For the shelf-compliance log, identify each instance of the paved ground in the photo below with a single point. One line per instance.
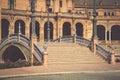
(72, 76)
(59, 69)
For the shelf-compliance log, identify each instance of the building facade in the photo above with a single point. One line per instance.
(66, 17)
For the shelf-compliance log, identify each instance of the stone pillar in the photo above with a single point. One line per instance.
(73, 31)
(12, 27)
(95, 37)
(106, 35)
(59, 27)
(0, 26)
(27, 30)
(45, 59)
(31, 50)
(54, 31)
(109, 36)
(95, 41)
(27, 27)
(106, 41)
(42, 31)
(113, 57)
(74, 38)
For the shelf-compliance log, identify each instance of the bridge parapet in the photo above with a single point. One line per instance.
(25, 42)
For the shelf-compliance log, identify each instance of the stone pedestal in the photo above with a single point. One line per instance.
(74, 38)
(113, 58)
(45, 59)
(95, 41)
(33, 39)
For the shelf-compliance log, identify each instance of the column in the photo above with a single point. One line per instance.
(106, 41)
(42, 31)
(54, 30)
(27, 30)
(0, 26)
(105, 35)
(12, 27)
(85, 29)
(110, 36)
(95, 37)
(59, 27)
(73, 31)
(33, 34)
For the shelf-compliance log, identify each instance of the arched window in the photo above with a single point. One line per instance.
(115, 32)
(22, 24)
(79, 29)
(101, 32)
(66, 29)
(46, 31)
(5, 27)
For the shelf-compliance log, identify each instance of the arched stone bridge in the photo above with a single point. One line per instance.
(17, 47)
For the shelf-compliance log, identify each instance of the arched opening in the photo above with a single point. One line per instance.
(37, 29)
(5, 27)
(22, 24)
(115, 32)
(46, 31)
(66, 29)
(79, 29)
(12, 54)
(101, 32)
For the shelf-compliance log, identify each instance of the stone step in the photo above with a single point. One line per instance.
(78, 62)
(70, 53)
(70, 59)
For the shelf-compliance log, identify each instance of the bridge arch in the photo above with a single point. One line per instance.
(13, 54)
(21, 50)
(22, 44)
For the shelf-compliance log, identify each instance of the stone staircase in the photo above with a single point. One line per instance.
(70, 53)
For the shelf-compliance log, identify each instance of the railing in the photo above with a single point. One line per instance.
(67, 39)
(104, 53)
(83, 41)
(71, 39)
(24, 40)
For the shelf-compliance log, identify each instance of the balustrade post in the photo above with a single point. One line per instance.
(95, 41)
(45, 55)
(113, 57)
(60, 39)
(45, 59)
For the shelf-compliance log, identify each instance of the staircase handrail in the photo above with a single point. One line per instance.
(67, 39)
(83, 41)
(79, 40)
(103, 52)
